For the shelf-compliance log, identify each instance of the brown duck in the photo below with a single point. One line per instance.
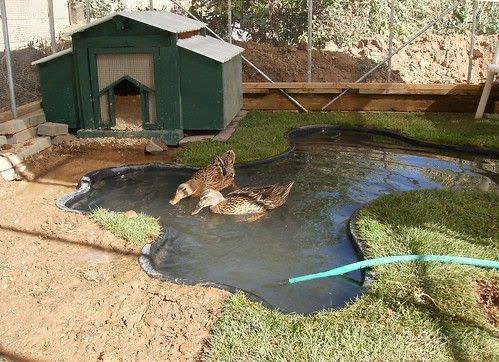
(249, 200)
(216, 176)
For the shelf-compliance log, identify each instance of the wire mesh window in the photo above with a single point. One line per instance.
(112, 67)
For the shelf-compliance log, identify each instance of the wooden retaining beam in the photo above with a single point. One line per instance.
(21, 111)
(398, 97)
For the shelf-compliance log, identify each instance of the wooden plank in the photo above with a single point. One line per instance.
(256, 91)
(314, 91)
(371, 88)
(436, 89)
(21, 111)
(367, 102)
(293, 85)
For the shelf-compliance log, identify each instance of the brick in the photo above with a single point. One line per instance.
(52, 129)
(22, 136)
(3, 140)
(39, 144)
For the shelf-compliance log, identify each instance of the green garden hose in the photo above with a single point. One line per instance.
(397, 259)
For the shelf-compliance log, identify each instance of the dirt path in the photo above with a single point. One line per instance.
(71, 291)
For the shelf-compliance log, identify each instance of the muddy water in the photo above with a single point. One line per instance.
(334, 172)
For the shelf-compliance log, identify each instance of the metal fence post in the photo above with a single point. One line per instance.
(53, 43)
(390, 40)
(151, 4)
(472, 41)
(309, 41)
(87, 10)
(8, 61)
(229, 21)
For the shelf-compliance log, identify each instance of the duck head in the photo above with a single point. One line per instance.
(208, 198)
(183, 190)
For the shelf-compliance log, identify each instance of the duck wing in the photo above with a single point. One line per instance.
(270, 197)
(216, 175)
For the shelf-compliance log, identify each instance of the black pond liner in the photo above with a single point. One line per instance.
(76, 202)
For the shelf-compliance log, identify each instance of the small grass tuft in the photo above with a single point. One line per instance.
(136, 230)
(412, 312)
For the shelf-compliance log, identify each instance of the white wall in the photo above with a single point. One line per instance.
(28, 20)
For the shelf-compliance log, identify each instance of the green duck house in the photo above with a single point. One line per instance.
(142, 74)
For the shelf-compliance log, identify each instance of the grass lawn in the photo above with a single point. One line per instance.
(264, 134)
(416, 312)
(136, 229)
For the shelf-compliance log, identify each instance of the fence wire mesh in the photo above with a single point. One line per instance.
(348, 37)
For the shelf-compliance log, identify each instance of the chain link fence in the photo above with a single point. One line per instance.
(289, 40)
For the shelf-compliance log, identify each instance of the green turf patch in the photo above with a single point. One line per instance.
(264, 134)
(136, 229)
(412, 312)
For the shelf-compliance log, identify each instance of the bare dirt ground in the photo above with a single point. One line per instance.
(430, 59)
(72, 291)
(488, 297)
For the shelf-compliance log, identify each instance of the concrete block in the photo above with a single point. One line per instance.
(63, 138)
(13, 126)
(11, 167)
(36, 118)
(22, 136)
(155, 147)
(3, 140)
(52, 129)
(20, 124)
(39, 144)
(225, 134)
(197, 138)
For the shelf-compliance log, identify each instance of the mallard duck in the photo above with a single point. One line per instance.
(216, 176)
(249, 200)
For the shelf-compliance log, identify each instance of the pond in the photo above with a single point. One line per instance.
(335, 173)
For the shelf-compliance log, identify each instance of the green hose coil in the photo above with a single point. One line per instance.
(396, 259)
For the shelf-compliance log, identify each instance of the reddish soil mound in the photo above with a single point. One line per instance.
(430, 59)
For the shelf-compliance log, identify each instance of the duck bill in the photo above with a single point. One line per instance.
(175, 199)
(197, 209)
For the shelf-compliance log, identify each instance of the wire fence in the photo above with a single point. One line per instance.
(287, 40)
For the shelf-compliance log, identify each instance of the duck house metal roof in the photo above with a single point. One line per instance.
(210, 47)
(164, 20)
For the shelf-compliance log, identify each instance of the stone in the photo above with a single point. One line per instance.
(38, 145)
(52, 129)
(11, 167)
(477, 53)
(3, 140)
(63, 138)
(378, 44)
(154, 147)
(22, 136)
(130, 214)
